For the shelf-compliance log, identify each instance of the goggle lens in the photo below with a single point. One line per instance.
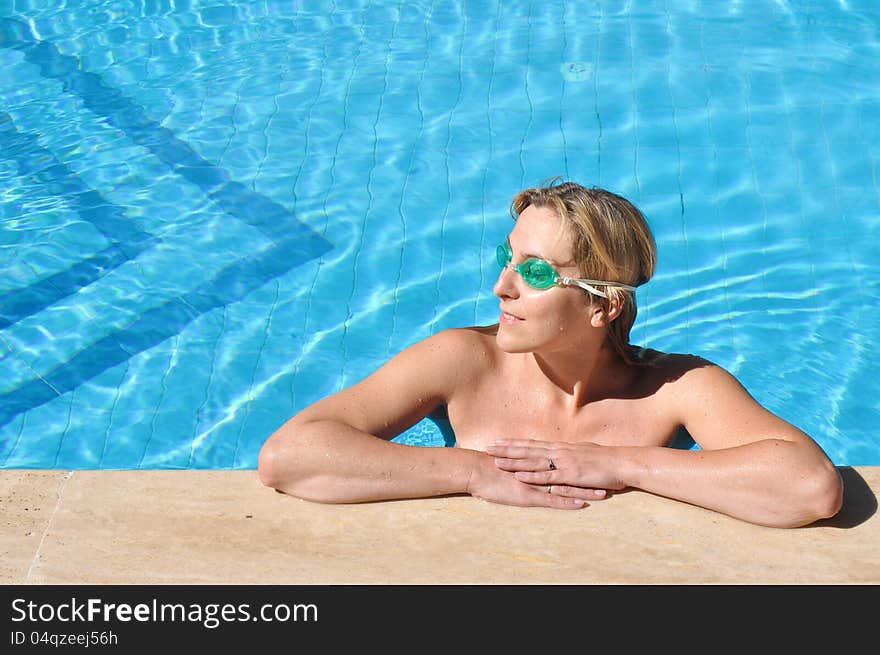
(537, 273)
(503, 254)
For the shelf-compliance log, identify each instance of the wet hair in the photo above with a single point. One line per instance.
(612, 241)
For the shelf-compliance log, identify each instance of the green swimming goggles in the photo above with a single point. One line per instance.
(539, 274)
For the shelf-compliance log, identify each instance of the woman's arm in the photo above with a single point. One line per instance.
(339, 449)
(329, 461)
(752, 465)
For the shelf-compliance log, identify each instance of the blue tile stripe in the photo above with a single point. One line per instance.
(152, 327)
(20, 303)
(294, 243)
(56, 178)
(271, 218)
(126, 240)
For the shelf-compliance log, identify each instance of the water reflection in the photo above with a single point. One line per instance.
(400, 132)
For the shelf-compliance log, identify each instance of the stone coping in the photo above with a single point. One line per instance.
(224, 527)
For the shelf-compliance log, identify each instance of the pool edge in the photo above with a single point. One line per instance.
(224, 527)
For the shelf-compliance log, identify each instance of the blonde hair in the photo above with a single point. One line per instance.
(612, 241)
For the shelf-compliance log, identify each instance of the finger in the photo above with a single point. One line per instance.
(517, 450)
(545, 479)
(507, 441)
(581, 493)
(543, 498)
(525, 464)
(531, 476)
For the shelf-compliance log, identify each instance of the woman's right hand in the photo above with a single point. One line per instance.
(488, 482)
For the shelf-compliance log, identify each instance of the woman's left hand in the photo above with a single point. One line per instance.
(577, 470)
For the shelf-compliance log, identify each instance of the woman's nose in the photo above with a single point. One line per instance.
(505, 285)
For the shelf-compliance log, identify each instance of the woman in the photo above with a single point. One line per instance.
(552, 406)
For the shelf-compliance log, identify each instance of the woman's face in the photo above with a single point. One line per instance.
(533, 320)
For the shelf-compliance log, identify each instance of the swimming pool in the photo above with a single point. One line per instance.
(215, 213)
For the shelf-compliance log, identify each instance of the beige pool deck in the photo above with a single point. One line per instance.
(224, 527)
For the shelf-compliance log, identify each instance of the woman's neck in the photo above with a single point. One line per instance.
(583, 376)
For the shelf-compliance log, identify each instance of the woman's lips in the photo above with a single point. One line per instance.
(509, 319)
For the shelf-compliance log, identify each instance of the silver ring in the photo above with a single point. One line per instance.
(551, 464)
(550, 489)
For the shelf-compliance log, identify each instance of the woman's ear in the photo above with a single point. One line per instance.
(605, 310)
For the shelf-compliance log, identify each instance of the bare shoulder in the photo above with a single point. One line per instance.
(677, 369)
(712, 404)
(469, 351)
(463, 340)
(448, 357)
(689, 377)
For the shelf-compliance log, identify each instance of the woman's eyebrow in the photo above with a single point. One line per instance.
(532, 255)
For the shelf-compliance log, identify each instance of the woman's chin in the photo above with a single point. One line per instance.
(510, 343)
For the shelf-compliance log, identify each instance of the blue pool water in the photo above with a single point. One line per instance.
(215, 213)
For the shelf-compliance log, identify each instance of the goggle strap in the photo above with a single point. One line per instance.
(588, 285)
